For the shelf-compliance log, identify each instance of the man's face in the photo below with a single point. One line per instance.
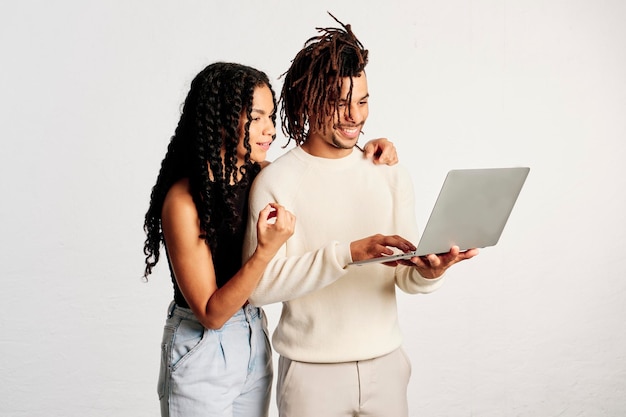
(344, 127)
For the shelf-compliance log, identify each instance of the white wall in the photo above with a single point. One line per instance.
(90, 94)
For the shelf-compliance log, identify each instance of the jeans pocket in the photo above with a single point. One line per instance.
(188, 337)
(266, 333)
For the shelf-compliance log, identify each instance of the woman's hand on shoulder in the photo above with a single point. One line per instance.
(382, 151)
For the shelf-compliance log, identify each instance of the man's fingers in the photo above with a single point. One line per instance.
(398, 242)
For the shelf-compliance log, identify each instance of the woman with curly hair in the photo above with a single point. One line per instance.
(216, 357)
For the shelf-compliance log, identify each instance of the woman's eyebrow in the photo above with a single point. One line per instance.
(261, 111)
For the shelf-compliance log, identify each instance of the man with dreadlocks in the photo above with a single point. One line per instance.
(338, 337)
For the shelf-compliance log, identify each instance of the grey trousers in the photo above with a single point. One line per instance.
(375, 387)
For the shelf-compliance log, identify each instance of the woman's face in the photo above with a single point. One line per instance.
(262, 129)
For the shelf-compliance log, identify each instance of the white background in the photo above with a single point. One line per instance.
(90, 93)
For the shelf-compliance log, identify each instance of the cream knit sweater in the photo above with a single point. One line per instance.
(333, 313)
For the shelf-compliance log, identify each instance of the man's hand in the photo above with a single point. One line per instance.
(434, 266)
(382, 151)
(378, 245)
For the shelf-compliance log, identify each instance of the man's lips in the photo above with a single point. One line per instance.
(350, 132)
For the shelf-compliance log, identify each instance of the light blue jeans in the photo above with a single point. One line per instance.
(225, 372)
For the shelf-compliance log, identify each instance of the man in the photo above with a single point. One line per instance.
(338, 336)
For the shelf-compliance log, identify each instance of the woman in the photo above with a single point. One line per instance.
(216, 357)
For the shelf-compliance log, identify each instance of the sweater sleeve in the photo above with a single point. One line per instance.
(411, 282)
(288, 277)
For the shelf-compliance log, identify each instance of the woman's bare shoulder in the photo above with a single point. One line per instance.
(178, 201)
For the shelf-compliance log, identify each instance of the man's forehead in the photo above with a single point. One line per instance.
(358, 85)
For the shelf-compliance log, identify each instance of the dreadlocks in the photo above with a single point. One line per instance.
(312, 85)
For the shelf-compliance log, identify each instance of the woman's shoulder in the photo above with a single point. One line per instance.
(178, 200)
(180, 189)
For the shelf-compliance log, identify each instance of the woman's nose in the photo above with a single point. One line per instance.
(270, 129)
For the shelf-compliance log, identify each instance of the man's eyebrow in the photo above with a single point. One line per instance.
(361, 99)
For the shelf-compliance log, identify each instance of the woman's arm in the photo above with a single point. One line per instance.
(192, 262)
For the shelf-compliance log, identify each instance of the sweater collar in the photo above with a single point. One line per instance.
(329, 163)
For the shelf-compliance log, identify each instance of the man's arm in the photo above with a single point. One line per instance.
(285, 277)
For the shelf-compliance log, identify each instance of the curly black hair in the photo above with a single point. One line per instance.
(210, 120)
(313, 82)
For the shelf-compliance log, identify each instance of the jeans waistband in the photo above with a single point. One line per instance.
(246, 313)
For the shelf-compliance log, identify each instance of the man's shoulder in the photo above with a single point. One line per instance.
(387, 170)
(280, 176)
(280, 164)
(397, 176)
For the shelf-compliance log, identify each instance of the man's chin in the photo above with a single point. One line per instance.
(344, 144)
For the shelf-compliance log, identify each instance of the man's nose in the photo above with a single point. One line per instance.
(352, 113)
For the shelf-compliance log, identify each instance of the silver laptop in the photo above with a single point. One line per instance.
(471, 211)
